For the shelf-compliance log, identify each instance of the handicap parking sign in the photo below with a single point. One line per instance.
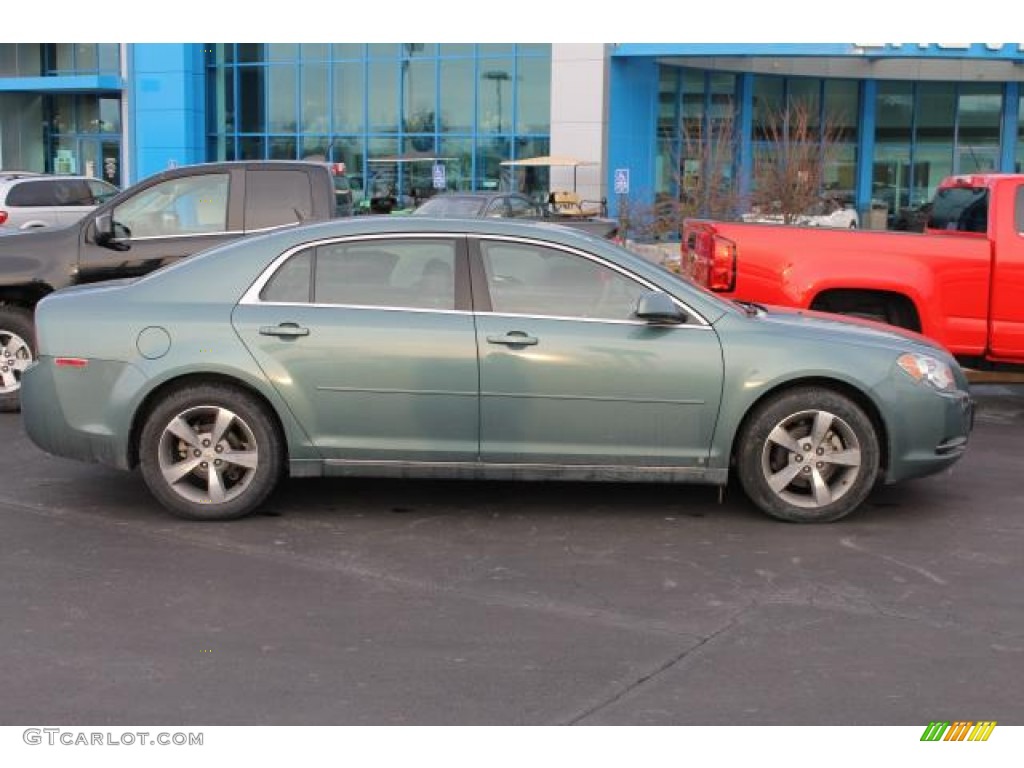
(438, 174)
(622, 181)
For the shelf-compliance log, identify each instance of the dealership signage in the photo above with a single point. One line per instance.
(969, 50)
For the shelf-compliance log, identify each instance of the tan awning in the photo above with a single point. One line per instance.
(549, 160)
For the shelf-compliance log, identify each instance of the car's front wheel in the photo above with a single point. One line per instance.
(808, 455)
(210, 452)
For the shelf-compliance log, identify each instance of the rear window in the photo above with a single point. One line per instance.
(48, 193)
(960, 209)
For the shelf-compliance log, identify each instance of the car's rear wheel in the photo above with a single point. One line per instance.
(210, 452)
(17, 350)
(808, 455)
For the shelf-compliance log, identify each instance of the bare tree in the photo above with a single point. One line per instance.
(701, 159)
(789, 167)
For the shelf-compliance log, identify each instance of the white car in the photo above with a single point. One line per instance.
(827, 212)
(30, 200)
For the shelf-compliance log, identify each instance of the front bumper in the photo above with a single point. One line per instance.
(929, 431)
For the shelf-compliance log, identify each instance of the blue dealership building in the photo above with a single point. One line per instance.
(906, 115)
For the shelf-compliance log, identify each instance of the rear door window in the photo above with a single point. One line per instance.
(275, 198)
(960, 209)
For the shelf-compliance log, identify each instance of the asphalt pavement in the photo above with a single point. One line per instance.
(431, 602)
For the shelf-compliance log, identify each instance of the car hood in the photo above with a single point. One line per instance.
(853, 329)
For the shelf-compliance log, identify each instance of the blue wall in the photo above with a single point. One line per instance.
(633, 95)
(167, 111)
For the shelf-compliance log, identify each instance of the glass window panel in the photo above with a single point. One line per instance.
(250, 53)
(935, 129)
(382, 50)
(313, 147)
(252, 148)
(419, 91)
(348, 97)
(894, 111)
(489, 154)
(534, 49)
(282, 51)
(85, 57)
(457, 49)
(282, 99)
(1019, 163)
(459, 168)
(767, 104)
(62, 114)
(668, 101)
(347, 50)
(351, 151)
(251, 99)
(842, 106)
(315, 51)
(496, 49)
(840, 173)
(419, 50)
(693, 102)
(979, 109)
(383, 176)
(890, 180)
(110, 115)
(109, 57)
(383, 96)
(314, 98)
(533, 182)
(495, 101)
(283, 148)
(65, 57)
(936, 111)
(457, 93)
(534, 91)
(87, 114)
(220, 95)
(220, 148)
(805, 103)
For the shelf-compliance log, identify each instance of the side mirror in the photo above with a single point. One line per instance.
(658, 308)
(104, 228)
(110, 234)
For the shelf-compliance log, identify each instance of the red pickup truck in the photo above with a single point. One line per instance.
(961, 282)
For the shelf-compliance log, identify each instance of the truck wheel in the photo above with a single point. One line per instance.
(17, 350)
(210, 452)
(809, 455)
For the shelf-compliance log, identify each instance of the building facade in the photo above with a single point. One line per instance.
(901, 117)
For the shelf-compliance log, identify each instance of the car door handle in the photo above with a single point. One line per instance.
(286, 330)
(513, 339)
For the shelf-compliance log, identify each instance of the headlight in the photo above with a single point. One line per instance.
(929, 370)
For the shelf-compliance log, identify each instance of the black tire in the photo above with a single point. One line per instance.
(17, 350)
(774, 444)
(181, 473)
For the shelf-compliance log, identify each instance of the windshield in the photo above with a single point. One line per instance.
(452, 207)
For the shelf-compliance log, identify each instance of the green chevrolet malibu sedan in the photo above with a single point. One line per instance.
(414, 347)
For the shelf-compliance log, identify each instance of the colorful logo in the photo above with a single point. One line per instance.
(961, 730)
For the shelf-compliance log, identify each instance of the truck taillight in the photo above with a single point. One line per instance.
(722, 275)
(3, 217)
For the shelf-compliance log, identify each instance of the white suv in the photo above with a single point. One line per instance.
(29, 200)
